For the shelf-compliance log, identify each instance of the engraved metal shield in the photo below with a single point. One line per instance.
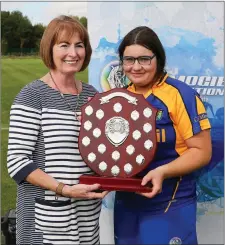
(117, 130)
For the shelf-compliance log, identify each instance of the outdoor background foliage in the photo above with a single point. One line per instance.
(19, 36)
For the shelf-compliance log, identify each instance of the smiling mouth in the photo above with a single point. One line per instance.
(137, 74)
(70, 61)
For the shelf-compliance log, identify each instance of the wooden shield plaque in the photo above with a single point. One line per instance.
(117, 139)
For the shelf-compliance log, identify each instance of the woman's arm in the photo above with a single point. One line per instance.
(198, 155)
(45, 181)
(25, 121)
(190, 118)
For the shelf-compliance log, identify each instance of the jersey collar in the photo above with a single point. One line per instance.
(131, 86)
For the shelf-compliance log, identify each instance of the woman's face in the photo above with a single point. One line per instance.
(69, 55)
(140, 75)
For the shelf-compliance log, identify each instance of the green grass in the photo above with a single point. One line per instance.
(16, 73)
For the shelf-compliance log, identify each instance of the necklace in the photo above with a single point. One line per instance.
(66, 101)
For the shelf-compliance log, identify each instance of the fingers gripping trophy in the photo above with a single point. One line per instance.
(117, 139)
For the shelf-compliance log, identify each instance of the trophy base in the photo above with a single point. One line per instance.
(116, 184)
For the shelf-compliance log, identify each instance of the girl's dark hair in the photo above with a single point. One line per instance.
(147, 38)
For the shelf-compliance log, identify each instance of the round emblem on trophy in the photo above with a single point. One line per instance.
(117, 130)
(118, 134)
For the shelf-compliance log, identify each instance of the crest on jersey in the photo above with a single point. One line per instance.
(175, 240)
(159, 115)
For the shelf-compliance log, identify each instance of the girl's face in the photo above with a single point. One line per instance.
(141, 75)
(69, 55)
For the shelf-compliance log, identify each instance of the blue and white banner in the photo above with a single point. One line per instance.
(192, 34)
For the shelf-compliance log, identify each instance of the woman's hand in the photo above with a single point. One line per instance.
(83, 191)
(156, 177)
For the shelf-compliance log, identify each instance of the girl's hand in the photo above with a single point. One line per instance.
(156, 177)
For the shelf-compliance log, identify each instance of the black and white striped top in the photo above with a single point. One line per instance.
(43, 134)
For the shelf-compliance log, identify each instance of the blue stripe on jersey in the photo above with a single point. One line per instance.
(167, 124)
(186, 93)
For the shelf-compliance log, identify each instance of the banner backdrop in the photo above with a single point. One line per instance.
(192, 35)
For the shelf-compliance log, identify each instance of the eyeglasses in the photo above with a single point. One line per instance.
(142, 60)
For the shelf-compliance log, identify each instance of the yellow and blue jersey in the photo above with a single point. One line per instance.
(181, 114)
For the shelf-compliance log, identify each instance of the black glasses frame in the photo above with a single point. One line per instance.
(138, 59)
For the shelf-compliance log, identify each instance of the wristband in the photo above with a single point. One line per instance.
(58, 190)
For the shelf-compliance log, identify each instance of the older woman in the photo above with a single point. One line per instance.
(43, 154)
(166, 214)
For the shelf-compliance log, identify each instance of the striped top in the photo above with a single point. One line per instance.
(181, 115)
(44, 134)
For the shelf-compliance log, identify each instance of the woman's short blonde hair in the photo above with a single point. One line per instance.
(53, 34)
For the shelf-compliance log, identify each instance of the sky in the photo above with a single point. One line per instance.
(44, 12)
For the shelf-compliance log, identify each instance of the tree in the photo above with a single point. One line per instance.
(16, 29)
(5, 31)
(18, 32)
(38, 31)
(25, 30)
(9, 25)
(83, 21)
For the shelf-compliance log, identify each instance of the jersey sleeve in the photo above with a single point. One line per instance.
(190, 114)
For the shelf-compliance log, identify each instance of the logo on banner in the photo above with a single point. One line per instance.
(112, 76)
